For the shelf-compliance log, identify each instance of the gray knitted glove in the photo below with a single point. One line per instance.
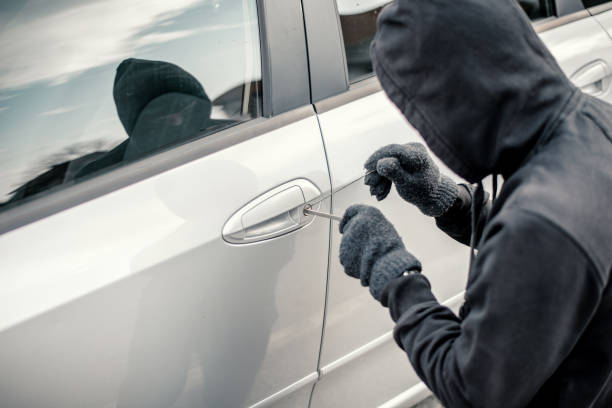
(371, 250)
(416, 177)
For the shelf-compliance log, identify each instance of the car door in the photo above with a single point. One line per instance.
(356, 118)
(578, 39)
(153, 248)
(601, 10)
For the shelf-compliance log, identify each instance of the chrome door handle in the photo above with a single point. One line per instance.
(593, 78)
(272, 214)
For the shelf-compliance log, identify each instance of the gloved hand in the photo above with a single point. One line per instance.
(371, 250)
(416, 177)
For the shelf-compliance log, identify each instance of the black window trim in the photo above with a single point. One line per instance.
(285, 76)
(286, 99)
(326, 55)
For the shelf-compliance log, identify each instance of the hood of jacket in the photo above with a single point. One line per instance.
(138, 82)
(473, 78)
(159, 105)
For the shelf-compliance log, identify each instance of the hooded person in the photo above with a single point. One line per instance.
(159, 105)
(488, 98)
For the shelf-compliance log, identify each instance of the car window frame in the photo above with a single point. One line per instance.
(285, 99)
(602, 8)
(569, 11)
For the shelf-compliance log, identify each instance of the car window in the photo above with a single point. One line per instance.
(358, 21)
(87, 86)
(537, 9)
(593, 3)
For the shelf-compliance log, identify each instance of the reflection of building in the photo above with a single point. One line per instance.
(239, 103)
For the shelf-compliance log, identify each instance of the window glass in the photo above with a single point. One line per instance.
(537, 9)
(593, 3)
(86, 86)
(358, 21)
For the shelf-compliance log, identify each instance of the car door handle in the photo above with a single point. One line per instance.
(593, 78)
(272, 214)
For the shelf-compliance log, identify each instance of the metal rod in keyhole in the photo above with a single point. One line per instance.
(309, 211)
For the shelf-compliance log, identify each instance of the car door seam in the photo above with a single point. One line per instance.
(329, 243)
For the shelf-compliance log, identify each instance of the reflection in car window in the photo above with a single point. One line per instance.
(87, 86)
(358, 21)
(593, 3)
(537, 9)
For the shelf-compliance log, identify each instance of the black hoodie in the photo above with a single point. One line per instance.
(487, 96)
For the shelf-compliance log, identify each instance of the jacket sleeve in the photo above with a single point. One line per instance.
(457, 221)
(531, 293)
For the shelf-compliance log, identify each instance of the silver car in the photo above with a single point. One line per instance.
(155, 161)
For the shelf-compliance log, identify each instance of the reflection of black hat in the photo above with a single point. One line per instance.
(138, 82)
(159, 104)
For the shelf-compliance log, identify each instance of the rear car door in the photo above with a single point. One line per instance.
(153, 248)
(356, 118)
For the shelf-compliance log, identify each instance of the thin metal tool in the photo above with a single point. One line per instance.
(328, 195)
(308, 207)
(309, 211)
